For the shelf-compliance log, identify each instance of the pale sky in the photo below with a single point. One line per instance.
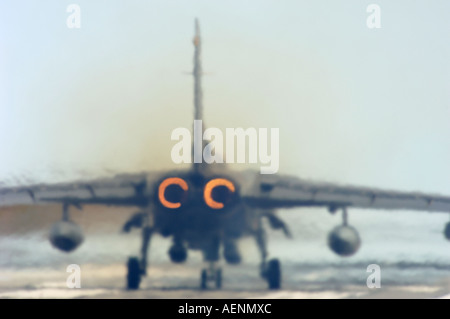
(354, 105)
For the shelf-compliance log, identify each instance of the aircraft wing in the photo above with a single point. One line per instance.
(124, 190)
(277, 191)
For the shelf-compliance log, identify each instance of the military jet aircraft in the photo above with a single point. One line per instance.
(209, 207)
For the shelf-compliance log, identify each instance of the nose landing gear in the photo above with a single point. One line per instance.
(211, 274)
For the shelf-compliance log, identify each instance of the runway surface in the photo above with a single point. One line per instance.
(168, 281)
(413, 256)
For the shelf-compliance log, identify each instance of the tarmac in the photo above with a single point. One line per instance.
(178, 282)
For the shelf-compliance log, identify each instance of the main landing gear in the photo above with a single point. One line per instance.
(270, 270)
(133, 274)
(272, 274)
(137, 267)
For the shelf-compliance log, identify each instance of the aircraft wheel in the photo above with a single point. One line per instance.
(218, 278)
(274, 274)
(134, 273)
(204, 279)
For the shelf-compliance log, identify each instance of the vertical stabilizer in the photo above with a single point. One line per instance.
(197, 148)
(197, 73)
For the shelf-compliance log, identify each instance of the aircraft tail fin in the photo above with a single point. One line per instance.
(198, 99)
(197, 73)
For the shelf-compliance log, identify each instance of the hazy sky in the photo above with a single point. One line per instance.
(354, 105)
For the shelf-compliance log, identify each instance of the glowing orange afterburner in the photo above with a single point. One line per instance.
(207, 193)
(162, 191)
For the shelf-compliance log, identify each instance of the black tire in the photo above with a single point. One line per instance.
(134, 273)
(218, 278)
(273, 274)
(204, 279)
